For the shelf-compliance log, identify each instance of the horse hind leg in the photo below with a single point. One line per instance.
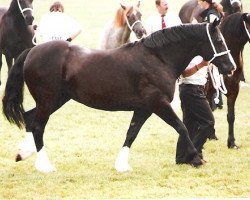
(33, 141)
(27, 146)
(138, 119)
(9, 61)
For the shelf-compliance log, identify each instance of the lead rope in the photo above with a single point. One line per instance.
(217, 81)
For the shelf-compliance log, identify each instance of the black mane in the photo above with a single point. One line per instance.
(232, 25)
(175, 34)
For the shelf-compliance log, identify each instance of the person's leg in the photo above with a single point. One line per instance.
(205, 118)
(186, 98)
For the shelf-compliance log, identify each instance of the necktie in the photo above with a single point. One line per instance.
(163, 25)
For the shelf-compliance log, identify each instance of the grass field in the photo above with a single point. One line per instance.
(83, 143)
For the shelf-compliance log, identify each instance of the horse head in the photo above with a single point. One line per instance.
(132, 16)
(221, 56)
(236, 5)
(26, 8)
(246, 22)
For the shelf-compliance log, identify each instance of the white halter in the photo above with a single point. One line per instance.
(221, 53)
(217, 79)
(246, 29)
(23, 10)
(132, 26)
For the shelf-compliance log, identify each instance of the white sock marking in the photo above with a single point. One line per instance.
(27, 147)
(121, 163)
(42, 162)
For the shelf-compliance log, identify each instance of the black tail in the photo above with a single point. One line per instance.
(13, 94)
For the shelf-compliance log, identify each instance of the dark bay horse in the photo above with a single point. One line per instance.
(236, 30)
(117, 32)
(15, 35)
(138, 77)
(236, 36)
(191, 10)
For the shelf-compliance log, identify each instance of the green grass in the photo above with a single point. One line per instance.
(83, 143)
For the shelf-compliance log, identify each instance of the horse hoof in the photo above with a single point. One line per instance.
(18, 157)
(45, 168)
(123, 168)
(234, 147)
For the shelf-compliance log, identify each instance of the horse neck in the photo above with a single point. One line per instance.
(236, 37)
(124, 35)
(178, 61)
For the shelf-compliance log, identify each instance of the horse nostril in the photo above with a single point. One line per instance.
(29, 20)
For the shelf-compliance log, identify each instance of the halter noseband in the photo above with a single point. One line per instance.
(23, 10)
(132, 26)
(221, 53)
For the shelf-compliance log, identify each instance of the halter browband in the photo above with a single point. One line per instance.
(221, 53)
(23, 10)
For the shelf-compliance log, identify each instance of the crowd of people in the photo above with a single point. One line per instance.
(197, 114)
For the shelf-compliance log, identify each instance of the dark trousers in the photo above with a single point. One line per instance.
(197, 117)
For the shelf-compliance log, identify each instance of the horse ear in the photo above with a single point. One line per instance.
(138, 4)
(246, 17)
(215, 23)
(123, 7)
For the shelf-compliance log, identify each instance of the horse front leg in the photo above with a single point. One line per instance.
(166, 113)
(231, 99)
(138, 119)
(1, 64)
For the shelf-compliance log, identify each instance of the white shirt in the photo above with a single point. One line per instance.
(198, 78)
(57, 26)
(154, 22)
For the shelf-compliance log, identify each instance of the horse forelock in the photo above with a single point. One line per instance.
(176, 34)
(120, 17)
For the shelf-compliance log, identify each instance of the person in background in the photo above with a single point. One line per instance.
(163, 18)
(56, 25)
(197, 114)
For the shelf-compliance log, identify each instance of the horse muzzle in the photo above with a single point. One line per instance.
(29, 20)
(139, 33)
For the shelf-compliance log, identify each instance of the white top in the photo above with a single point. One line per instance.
(56, 26)
(198, 78)
(154, 22)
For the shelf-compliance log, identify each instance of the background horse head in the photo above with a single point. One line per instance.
(138, 77)
(231, 6)
(117, 32)
(15, 36)
(191, 10)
